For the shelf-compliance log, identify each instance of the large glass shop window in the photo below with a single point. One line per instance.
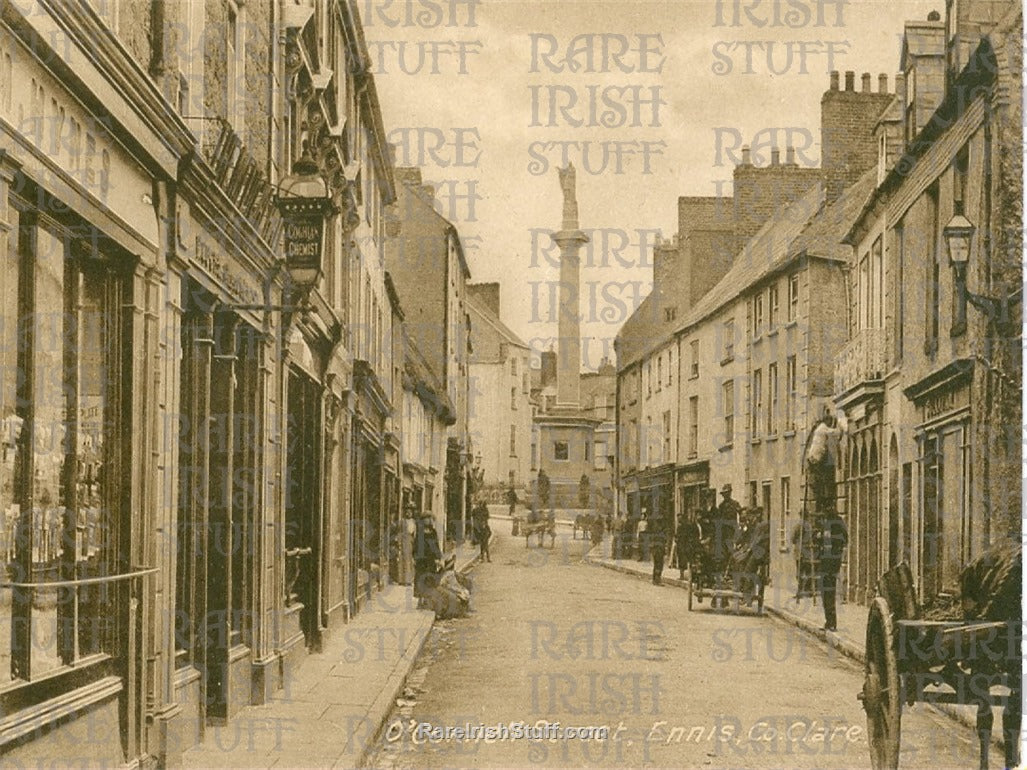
(60, 307)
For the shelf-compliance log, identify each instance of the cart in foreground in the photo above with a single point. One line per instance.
(909, 658)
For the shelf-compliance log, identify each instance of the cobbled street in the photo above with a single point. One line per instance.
(553, 638)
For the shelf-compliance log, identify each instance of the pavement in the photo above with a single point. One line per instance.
(807, 614)
(331, 710)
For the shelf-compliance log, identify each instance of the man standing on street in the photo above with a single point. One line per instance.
(727, 524)
(686, 538)
(832, 537)
(658, 546)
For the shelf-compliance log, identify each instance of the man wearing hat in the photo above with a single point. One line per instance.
(726, 525)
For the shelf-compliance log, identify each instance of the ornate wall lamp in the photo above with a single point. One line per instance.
(958, 235)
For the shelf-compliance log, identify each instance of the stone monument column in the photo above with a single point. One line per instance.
(570, 239)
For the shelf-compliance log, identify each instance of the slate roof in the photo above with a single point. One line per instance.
(806, 226)
(484, 321)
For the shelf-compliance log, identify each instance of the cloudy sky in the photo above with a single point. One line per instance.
(650, 100)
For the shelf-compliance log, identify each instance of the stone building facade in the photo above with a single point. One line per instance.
(727, 363)
(425, 257)
(931, 381)
(499, 410)
(209, 480)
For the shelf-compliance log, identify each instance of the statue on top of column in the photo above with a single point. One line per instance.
(570, 200)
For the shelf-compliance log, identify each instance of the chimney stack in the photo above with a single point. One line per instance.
(790, 155)
(746, 156)
(847, 121)
(882, 83)
(775, 156)
(834, 80)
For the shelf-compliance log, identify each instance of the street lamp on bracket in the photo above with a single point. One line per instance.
(958, 235)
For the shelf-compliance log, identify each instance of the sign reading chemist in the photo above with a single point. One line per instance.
(303, 242)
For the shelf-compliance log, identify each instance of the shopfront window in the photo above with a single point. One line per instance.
(60, 483)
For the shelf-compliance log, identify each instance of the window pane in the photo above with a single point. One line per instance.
(88, 516)
(10, 431)
(48, 438)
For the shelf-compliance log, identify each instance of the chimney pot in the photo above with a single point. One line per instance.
(834, 80)
(775, 156)
(882, 83)
(850, 80)
(790, 155)
(746, 156)
(866, 82)
(900, 84)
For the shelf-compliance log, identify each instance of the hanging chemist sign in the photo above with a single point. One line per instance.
(302, 233)
(303, 203)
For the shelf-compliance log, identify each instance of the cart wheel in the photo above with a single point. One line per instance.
(691, 580)
(881, 697)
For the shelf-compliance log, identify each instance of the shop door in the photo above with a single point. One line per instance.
(303, 502)
(933, 516)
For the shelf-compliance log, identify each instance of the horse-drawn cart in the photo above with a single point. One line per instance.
(538, 526)
(973, 661)
(728, 567)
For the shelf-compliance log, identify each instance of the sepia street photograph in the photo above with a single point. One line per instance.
(401, 384)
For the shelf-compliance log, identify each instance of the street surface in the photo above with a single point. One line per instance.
(561, 641)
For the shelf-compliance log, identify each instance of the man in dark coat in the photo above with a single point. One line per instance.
(726, 526)
(832, 537)
(657, 536)
(686, 540)
(482, 530)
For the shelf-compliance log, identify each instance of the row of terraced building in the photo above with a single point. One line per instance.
(832, 288)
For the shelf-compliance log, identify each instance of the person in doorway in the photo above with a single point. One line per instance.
(832, 537)
(822, 460)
